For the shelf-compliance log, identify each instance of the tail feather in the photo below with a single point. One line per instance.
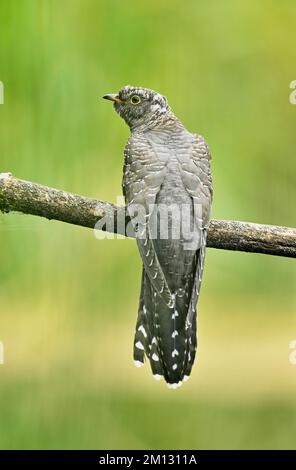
(167, 335)
(145, 341)
(191, 321)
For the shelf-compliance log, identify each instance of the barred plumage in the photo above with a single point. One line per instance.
(166, 179)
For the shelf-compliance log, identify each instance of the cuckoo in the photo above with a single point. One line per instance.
(167, 187)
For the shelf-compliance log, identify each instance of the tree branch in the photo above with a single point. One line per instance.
(36, 199)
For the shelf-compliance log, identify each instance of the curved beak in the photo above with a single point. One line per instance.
(113, 97)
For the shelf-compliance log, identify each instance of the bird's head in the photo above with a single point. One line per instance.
(139, 106)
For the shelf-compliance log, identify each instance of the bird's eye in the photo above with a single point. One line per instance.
(135, 99)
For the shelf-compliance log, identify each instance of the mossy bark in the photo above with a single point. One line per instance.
(36, 199)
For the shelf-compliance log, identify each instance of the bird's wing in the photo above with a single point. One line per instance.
(196, 176)
(144, 173)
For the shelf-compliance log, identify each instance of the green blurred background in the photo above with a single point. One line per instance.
(68, 301)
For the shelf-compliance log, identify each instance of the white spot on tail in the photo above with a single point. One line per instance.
(187, 324)
(174, 334)
(138, 363)
(174, 366)
(142, 329)
(157, 377)
(185, 378)
(139, 345)
(154, 340)
(155, 357)
(175, 353)
(144, 310)
(175, 314)
(173, 386)
(172, 301)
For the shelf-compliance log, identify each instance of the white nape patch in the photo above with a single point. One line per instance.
(139, 345)
(185, 378)
(157, 377)
(153, 340)
(142, 329)
(175, 314)
(175, 353)
(156, 107)
(174, 366)
(155, 357)
(175, 333)
(138, 363)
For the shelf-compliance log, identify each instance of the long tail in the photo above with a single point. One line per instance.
(167, 336)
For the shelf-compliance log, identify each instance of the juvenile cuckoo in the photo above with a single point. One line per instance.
(167, 178)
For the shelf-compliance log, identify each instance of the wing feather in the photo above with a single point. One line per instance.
(143, 176)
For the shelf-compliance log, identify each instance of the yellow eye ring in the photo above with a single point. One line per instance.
(135, 99)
